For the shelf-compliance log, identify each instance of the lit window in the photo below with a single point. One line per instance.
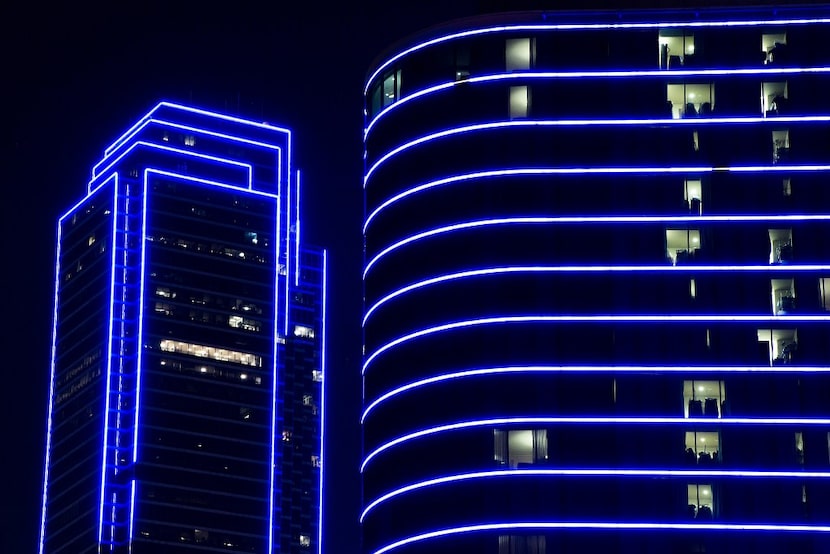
(787, 187)
(778, 346)
(165, 292)
(286, 436)
(824, 293)
(781, 246)
(519, 102)
(189, 140)
(303, 332)
(691, 99)
(462, 62)
(682, 246)
(799, 447)
(517, 448)
(702, 447)
(163, 308)
(91, 240)
(307, 400)
(693, 195)
(783, 296)
(239, 322)
(701, 502)
(305, 541)
(316, 375)
(692, 288)
(774, 98)
(518, 53)
(203, 351)
(676, 49)
(774, 47)
(316, 461)
(704, 398)
(780, 146)
(391, 88)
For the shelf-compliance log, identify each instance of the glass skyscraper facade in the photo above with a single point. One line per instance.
(597, 285)
(186, 395)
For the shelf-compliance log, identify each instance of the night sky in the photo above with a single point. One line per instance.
(76, 75)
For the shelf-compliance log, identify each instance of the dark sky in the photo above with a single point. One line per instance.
(75, 75)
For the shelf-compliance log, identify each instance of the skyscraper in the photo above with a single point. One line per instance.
(597, 285)
(188, 348)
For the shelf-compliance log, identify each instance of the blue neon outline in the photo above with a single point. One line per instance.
(585, 26)
(539, 220)
(297, 234)
(322, 403)
(274, 377)
(110, 338)
(533, 75)
(631, 420)
(287, 251)
(138, 144)
(795, 268)
(197, 130)
(585, 369)
(540, 525)
(582, 472)
(537, 171)
(544, 123)
(50, 406)
(543, 318)
(132, 130)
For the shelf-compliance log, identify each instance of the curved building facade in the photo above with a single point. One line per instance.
(597, 285)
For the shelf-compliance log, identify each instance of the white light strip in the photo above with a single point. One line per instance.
(533, 75)
(779, 319)
(587, 27)
(532, 472)
(513, 526)
(544, 369)
(587, 170)
(612, 420)
(525, 172)
(795, 268)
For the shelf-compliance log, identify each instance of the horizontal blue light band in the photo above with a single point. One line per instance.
(195, 130)
(530, 172)
(782, 319)
(512, 527)
(539, 75)
(543, 369)
(581, 472)
(490, 271)
(180, 152)
(214, 115)
(588, 27)
(512, 421)
(546, 123)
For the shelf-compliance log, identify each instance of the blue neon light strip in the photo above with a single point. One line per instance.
(790, 369)
(598, 219)
(274, 377)
(111, 339)
(545, 123)
(531, 472)
(783, 319)
(533, 75)
(322, 404)
(502, 421)
(297, 234)
(795, 268)
(135, 145)
(587, 27)
(195, 130)
(564, 171)
(144, 120)
(512, 527)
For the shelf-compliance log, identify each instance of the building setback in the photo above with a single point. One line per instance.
(597, 285)
(186, 396)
